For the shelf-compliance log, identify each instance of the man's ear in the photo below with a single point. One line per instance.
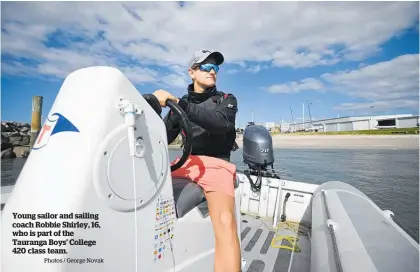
(191, 73)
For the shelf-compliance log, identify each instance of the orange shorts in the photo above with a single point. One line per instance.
(211, 174)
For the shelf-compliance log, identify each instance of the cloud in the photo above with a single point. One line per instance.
(252, 69)
(255, 69)
(386, 85)
(17, 68)
(378, 106)
(232, 71)
(389, 80)
(62, 36)
(175, 80)
(140, 75)
(308, 84)
(304, 59)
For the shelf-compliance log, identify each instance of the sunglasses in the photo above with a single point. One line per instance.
(208, 67)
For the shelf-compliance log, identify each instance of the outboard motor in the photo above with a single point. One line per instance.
(258, 154)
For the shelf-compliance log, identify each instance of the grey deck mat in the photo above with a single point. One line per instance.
(260, 256)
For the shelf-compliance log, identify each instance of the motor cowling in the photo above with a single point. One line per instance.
(257, 147)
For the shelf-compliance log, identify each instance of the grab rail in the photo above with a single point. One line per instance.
(333, 237)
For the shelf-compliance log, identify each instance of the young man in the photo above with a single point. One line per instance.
(212, 114)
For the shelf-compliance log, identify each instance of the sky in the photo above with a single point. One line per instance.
(341, 58)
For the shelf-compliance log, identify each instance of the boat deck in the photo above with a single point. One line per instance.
(263, 254)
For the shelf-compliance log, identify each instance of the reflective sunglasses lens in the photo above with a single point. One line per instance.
(207, 67)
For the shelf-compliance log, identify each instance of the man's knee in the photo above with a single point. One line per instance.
(227, 219)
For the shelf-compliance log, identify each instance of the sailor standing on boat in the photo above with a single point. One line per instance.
(212, 114)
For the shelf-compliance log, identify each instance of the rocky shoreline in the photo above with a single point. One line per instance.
(15, 139)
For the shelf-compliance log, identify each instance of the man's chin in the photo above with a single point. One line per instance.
(210, 84)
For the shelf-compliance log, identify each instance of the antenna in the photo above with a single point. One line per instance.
(310, 115)
(303, 116)
(293, 120)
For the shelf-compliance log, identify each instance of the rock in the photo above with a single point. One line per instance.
(21, 151)
(5, 143)
(5, 128)
(25, 130)
(12, 126)
(15, 140)
(14, 135)
(10, 134)
(5, 146)
(25, 140)
(8, 154)
(4, 139)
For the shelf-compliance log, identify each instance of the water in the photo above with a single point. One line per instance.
(389, 177)
(10, 169)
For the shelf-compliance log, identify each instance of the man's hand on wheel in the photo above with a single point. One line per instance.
(163, 95)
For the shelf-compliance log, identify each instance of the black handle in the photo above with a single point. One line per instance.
(185, 125)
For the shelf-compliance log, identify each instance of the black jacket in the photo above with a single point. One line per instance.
(212, 115)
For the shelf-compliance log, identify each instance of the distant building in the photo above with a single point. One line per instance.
(284, 127)
(269, 125)
(359, 123)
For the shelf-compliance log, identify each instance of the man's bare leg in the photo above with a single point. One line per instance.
(222, 213)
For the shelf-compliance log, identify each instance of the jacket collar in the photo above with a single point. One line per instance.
(200, 97)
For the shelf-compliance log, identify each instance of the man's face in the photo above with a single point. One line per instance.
(204, 78)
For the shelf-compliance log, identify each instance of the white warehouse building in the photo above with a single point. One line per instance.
(360, 123)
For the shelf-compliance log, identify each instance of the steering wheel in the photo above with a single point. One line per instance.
(184, 124)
